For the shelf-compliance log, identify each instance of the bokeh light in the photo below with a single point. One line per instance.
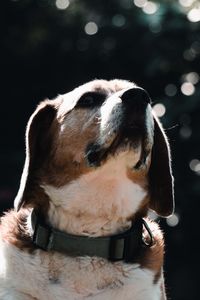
(155, 27)
(150, 8)
(192, 77)
(187, 88)
(159, 109)
(91, 28)
(194, 15)
(62, 4)
(185, 132)
(189, 54)
(170, 90)
(118, 20)
(195, 166)
(173, 220)
(186, 3)
(140, 3)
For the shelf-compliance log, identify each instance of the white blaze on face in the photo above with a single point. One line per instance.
(107, 109)
(110, 116)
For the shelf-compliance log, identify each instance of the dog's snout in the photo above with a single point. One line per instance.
(135, 97)
(135, 103)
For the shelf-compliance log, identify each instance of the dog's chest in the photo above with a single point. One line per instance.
(55, 277)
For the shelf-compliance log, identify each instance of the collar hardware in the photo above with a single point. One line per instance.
(148, 242)
(43, 237)
(125, 246)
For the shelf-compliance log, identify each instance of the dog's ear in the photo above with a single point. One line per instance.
(37, 143)
(161, 183)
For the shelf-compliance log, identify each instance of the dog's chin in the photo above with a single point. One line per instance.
(97, 155)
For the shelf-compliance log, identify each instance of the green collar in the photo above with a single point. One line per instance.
(125, 246)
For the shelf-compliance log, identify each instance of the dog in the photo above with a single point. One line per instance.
(97, 160)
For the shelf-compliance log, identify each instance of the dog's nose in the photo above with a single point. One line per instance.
(135, 102)
(135, 97)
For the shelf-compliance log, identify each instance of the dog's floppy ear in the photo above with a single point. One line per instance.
(161, 183)
(37, 143)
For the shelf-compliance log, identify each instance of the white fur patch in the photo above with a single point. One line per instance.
(107, 109)
(110, 120)
(55, 276)
(98, 203)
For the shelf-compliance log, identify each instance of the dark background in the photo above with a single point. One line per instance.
(46, 50)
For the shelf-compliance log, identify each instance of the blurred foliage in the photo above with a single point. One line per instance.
(49, 47)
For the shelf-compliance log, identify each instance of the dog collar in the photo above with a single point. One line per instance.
(125, 246)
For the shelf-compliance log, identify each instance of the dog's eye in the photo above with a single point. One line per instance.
(91, 100)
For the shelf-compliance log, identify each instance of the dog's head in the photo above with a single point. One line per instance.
(96, 126)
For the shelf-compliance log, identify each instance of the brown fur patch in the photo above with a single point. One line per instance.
(66, 160)
(13, 229)
(152, 257)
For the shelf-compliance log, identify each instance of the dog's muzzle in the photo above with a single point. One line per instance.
(125, 118)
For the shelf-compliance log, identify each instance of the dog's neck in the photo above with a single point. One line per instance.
(100, 203)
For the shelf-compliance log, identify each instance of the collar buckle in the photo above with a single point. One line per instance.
(43, 237)
(126, 246)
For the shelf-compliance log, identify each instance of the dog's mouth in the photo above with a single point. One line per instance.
(131, 139)
(97, 154)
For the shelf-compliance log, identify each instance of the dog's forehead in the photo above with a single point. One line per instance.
(105, 87)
